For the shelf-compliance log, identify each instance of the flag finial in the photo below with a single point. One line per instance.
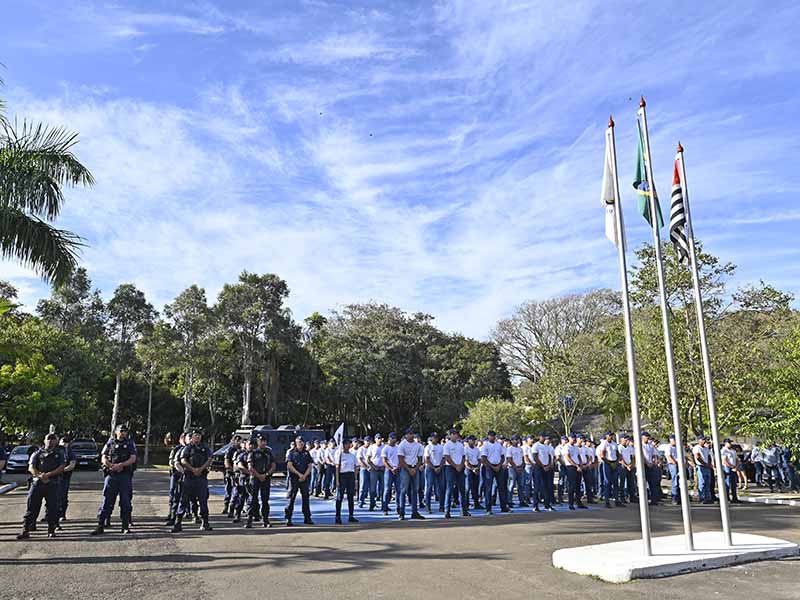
(610, 120)
(642, 103)
(680, 148)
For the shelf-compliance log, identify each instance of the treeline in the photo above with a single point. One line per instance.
(568, 355)
(84, 364)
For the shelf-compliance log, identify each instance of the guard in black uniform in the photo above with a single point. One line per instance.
(119, 456)
(195, 458)
(230, 471)
(298, 463)
(261, 464)
(175, 479)
(66, 477)
(240, 495)
(45, 466)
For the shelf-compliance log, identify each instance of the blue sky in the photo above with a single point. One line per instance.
(440, 156)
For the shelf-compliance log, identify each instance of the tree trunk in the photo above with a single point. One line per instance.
(187, 401)
(115, 411)
(147, 433)
(246, 388)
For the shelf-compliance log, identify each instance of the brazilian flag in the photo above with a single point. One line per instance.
(642, 185)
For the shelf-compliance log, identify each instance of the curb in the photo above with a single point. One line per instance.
(770, 501)
(8, 487)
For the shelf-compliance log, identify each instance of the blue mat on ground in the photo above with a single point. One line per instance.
(323, 512)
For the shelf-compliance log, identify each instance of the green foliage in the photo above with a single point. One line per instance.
(502, 416)
(28, 400)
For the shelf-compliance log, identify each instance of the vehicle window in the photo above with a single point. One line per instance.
(84, 447)
(20, 450)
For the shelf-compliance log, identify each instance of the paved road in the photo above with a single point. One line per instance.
(506, 556)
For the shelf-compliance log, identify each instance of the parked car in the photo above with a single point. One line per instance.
(87, 454)
(277, 439)
(19, 457)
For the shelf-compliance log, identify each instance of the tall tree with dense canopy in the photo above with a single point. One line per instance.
(36, 163)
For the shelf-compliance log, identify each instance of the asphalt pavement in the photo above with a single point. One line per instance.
(506, 556)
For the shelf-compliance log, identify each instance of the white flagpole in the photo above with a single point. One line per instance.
(644, 512)
(673, 386)
(701, 325)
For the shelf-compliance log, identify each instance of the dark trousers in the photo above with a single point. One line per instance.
(491, 476)
(194, 488)
(563, 483)
(731, 482)
(375, 486)
(329, 480)
(627, 484)
(259, 499)
(549, 480)
(50, 492)
(390, 480)
(66, 478)
(473, 485)
(117, 485)
(239, 496)
(540, 493)
(320, 473)
(573, 485)
(175, 490)
(611, 481)
(653, 477)
(229, 485)
(588, 477)
(454, 483)
(347, 485)
(295, 485)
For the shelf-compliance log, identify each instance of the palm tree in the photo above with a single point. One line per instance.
(36, 161)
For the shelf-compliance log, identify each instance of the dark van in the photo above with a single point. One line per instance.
(277, 439)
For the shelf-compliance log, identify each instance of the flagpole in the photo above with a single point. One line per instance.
(673, 386)
(644, 512)
(701, 325)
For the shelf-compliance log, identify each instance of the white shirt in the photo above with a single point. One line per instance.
(704, 452)
(514, 453)
(389, 455)
(673, 452)
(560, 453)
(330, 454)
(587, 454)
(542, 452)
(649, 452)
(610, 449)
(493, 451)
(473, 455)
(313, 452)
(376, 454)
(435, 452)
(575, 453)
(729, 455)
(345, 460)
(411, 451)
(361, 456)
(626, 453)
(455, 450)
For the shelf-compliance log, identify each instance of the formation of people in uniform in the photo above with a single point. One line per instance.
(449, 474)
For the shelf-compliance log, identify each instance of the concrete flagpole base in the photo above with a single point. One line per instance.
(619, 562)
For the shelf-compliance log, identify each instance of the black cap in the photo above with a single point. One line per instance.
(122, 427)
(490, 432)
(727, 440)
(392, 435)
(409, 430)
(542, 434)
(471, 437)
(646, 433)
(452, 431)
(261, 436)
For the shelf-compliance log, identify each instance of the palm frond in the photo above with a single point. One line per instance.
(36, 161)
(29, 240)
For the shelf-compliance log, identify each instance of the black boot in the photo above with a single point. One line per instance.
(206, 526)
(24, 534)
(237, 518)
(170, 519)
(100, 529)
(249, 523)
(225, 508)
(126, 526)
(178, 527)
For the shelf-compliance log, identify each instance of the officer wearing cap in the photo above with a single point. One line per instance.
(515, 466)
(573, 458)
(702, 458)
(493, 458)
(66, 476)
(652, 473)
(562, 468)
(729, 463)
(363, 464)
(472, 464)
(261, 465)
(542, 463)
(45, 466)
(433, 456)
(672, 467)
(298, 463)
(391, 473)
(230, 472)
(376, 466)
(316, 481)
(241, 490)
(196, 459)
(175, 479)
(345, 481)
(454, 465)
(409, 457)
(118, 458)
(608, 453)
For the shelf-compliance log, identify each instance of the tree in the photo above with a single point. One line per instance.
(190, 316)
(36, 162)
(73, 306)
(129, 315)
(155, 351)
(540, 331)
(501, 416)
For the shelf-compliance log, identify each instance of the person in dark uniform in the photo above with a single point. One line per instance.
(345, 480)
(66, 477)
(175, 479)
(240, 495)
(45, 466)
(230, 472)
(118, 458)
(298, 463)
(195, 458)
(261, 464)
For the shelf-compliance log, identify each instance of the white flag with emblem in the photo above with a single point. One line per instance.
(339, 435)
(608, 191)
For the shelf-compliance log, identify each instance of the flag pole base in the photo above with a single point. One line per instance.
(619, 562)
